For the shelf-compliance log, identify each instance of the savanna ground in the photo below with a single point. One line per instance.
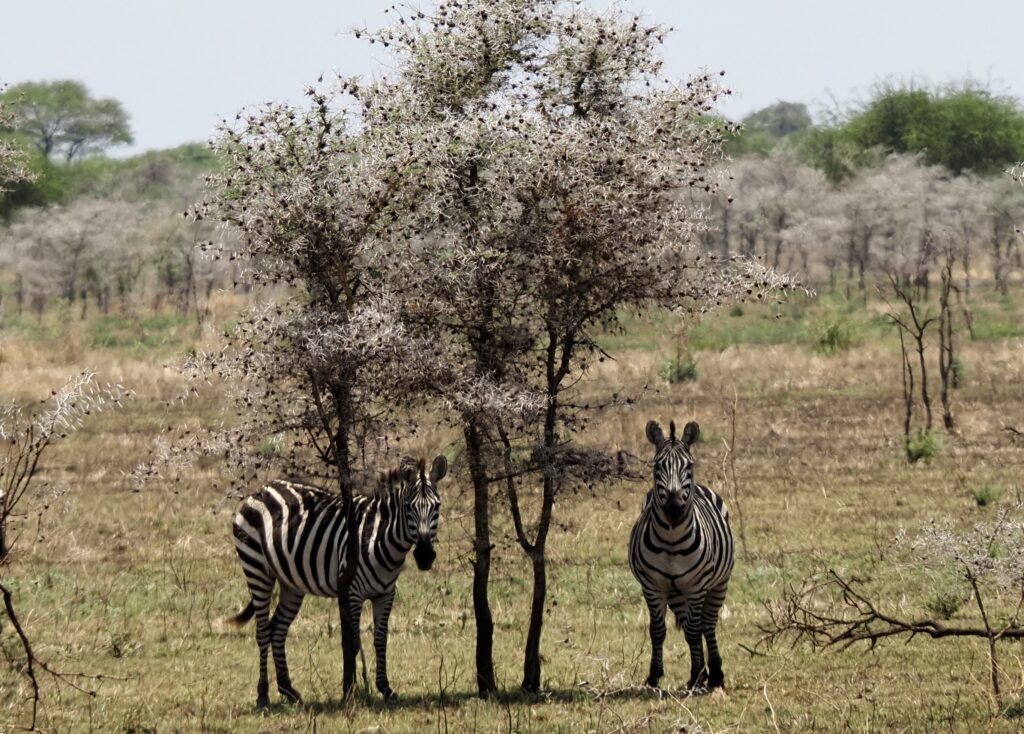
(134, 585)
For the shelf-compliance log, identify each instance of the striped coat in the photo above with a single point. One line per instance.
(681, 551)
(294, 535)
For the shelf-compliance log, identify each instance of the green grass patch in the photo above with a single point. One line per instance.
(678, 369)
(833, 335)
(158, 331)
(988, 494)
(923, 444)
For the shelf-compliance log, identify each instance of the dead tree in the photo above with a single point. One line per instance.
(26, 435)
(831, 610)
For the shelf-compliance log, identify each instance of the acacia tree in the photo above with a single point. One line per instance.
(321, 365)
(558, 193)
(62, 117)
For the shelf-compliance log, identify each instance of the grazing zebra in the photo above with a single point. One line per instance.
(681, 552)
(295, 535)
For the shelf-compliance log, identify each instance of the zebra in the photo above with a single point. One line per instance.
(295, 534)
(681, 551)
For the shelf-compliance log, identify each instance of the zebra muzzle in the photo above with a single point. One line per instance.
(674, 511)
(424, 554)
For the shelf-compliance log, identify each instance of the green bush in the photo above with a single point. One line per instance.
(923, 444)
(1014, 710)
(946, 601)
(678, 369)
(834, 335)
(989, 494)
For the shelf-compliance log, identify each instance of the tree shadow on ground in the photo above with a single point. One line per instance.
(455, 699)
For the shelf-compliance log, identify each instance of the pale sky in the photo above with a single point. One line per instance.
(179, 66)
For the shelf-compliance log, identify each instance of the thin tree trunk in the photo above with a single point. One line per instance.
(485, 679)
(531, 658)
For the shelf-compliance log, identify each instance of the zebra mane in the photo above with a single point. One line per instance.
(393, 481)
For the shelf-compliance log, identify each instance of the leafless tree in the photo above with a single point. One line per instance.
(833, 610)
(80, 251)
(26, 435)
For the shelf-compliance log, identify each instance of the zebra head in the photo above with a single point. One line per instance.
(673, 469)
(423, 508)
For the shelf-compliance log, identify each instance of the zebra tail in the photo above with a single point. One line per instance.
(239, 620)
(680, 621)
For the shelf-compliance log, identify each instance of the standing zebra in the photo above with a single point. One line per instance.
(295, 535)
(681, 552)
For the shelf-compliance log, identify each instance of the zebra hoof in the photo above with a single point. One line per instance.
(262, 701)
(290, 694)
(652, 681)
(698, 682)
(388, 693)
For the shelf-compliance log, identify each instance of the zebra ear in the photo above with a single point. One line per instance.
(691, 433)
(438, 469)
(655, 435)
(409, 472)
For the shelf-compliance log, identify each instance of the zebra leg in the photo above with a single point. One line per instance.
(263, 631)
(260, 580)
(715, 599)
(656, 608)
(287, 607)
(689, 617)
(381, 614)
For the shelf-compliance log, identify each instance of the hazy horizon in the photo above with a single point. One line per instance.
(180, 66)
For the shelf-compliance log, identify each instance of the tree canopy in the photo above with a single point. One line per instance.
(62, 118)
(963, 128)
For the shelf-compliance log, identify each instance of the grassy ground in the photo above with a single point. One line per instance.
(134, 585)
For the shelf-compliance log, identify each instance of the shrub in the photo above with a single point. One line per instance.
(833, 336)
(946, 600)
(1014, 710)
(989, 494)
(736, 311)
(923, 444)
(678, 369)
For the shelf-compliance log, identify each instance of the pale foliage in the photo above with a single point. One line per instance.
(89, 246)
(521, 158)
(12, 159)
(991, 550)
(26, 433)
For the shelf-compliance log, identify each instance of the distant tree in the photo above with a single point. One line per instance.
(779, 119)
(76, 252)
(774, 199)
(764, 129)
(963, 127)
(61, 118)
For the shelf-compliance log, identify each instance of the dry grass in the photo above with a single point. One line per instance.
(135, 585)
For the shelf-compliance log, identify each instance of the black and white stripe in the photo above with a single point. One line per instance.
(295, 535)
(681, 551)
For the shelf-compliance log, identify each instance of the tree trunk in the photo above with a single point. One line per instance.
(341, 394)
(531, 658)
(485, 680)
(3, 532)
